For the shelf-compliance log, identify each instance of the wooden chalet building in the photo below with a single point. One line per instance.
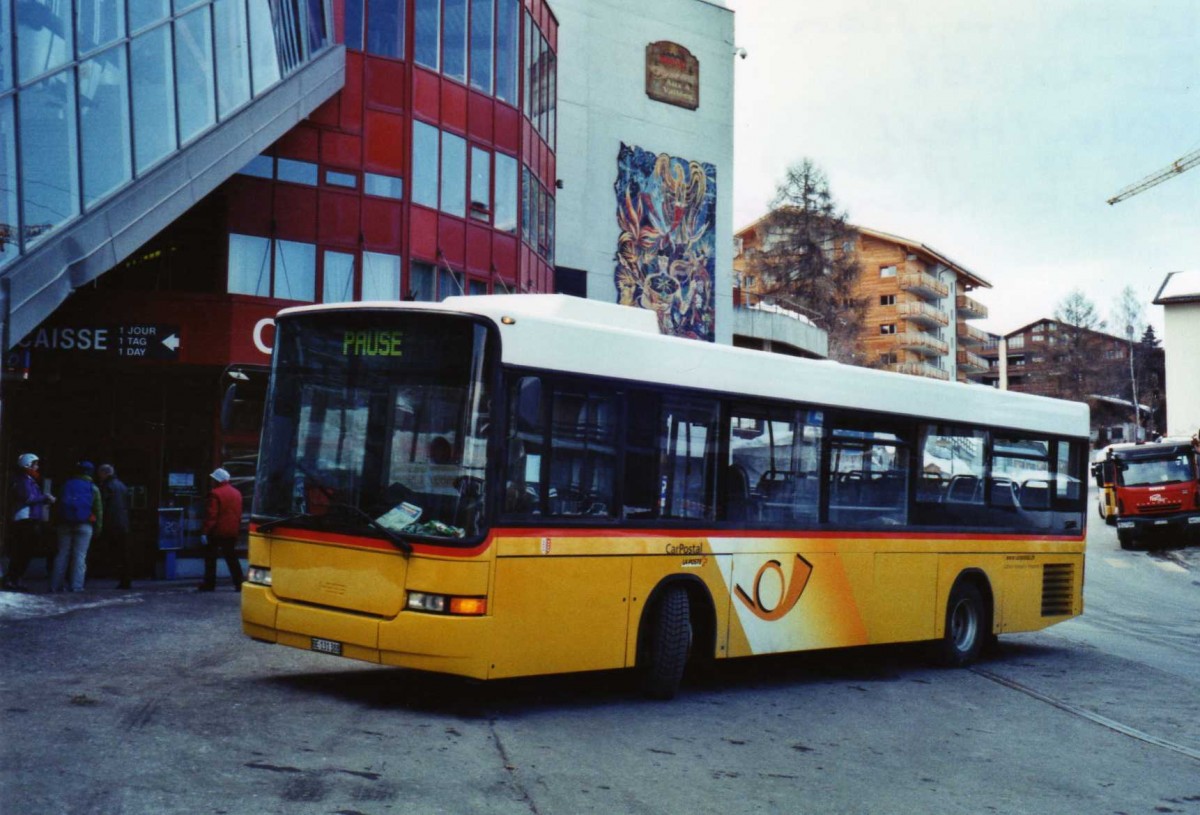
(918, 305)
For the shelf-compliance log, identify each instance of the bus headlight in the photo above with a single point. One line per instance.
(446, 604)
(258, 576)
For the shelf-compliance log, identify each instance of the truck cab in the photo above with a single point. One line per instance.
(1154, 492)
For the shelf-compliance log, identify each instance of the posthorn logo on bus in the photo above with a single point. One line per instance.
(793, 587)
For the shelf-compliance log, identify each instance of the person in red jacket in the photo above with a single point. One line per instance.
(222, 524)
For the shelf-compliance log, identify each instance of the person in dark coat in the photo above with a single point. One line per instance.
(115, 496)
(26, 524)
(222, 524)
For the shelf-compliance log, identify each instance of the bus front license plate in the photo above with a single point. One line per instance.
(327, 646)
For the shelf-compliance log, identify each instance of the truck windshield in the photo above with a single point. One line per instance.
(376, 424)
(1142, 473)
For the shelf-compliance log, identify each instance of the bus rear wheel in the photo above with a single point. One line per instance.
(666, 640)
(966, 620)
(1125, 539)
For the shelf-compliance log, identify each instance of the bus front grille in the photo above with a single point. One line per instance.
(1058, 589)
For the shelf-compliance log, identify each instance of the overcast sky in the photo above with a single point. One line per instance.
(990, 130)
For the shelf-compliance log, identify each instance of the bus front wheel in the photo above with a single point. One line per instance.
(965, 632)
(666, 641)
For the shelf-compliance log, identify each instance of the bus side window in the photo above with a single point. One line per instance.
(774, 457)
(640, 483)
(950, 463)
(582, 451)
(525, 442)
(688, 450)
(868, 478)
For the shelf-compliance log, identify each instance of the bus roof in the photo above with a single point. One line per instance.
(571, 334)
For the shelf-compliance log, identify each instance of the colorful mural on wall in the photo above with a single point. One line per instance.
(666, 253)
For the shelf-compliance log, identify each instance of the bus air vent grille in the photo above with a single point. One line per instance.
(1058, 589)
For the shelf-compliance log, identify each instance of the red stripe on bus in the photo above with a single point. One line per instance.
(601, 532)
(576, 532)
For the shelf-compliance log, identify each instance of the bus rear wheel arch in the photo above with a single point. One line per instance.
(968, 628)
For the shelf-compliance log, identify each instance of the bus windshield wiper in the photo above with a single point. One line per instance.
(286, 519)
(397, 541)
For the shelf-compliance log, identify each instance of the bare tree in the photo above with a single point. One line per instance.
(1079, 364)
(1151, 372)
(1129, 316)
(806, 259)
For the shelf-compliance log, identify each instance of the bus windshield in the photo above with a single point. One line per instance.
(376, 424)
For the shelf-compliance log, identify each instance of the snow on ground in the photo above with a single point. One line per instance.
(24, 605)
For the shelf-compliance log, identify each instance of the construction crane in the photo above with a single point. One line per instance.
(1180, 165)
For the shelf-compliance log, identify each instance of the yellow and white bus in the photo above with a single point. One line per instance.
(534, 484)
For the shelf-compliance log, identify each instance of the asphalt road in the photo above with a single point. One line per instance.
(153, 702)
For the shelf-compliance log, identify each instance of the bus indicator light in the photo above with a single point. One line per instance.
(443, 604)
(468, 606)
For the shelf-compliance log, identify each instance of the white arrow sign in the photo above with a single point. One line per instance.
(172, 342)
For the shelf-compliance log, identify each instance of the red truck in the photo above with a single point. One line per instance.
(1155, 492)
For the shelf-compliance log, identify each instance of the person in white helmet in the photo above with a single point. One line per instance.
(27, 500)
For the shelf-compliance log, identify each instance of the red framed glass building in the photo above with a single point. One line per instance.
(431, 172)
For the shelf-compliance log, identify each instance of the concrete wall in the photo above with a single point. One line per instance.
(602, 104)
(1181, 340)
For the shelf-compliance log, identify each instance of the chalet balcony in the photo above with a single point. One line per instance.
(923, 314)
(970, 335)
(970, 362)
(921, 343)
(922, 284)
(969, 308)
(920, 369)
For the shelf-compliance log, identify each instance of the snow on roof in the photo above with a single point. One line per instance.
(1179, 287)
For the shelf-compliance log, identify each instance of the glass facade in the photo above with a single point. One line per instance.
(194, 82)
(381, 276)
(385, 27)
(338, 280)
(9, 242)
(411, 202)
(94, 93)
(425, 165)
(103, 123)
(48, 178)
(232, 48)
(151, 56)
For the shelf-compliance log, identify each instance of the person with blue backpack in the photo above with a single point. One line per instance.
(80, 516)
